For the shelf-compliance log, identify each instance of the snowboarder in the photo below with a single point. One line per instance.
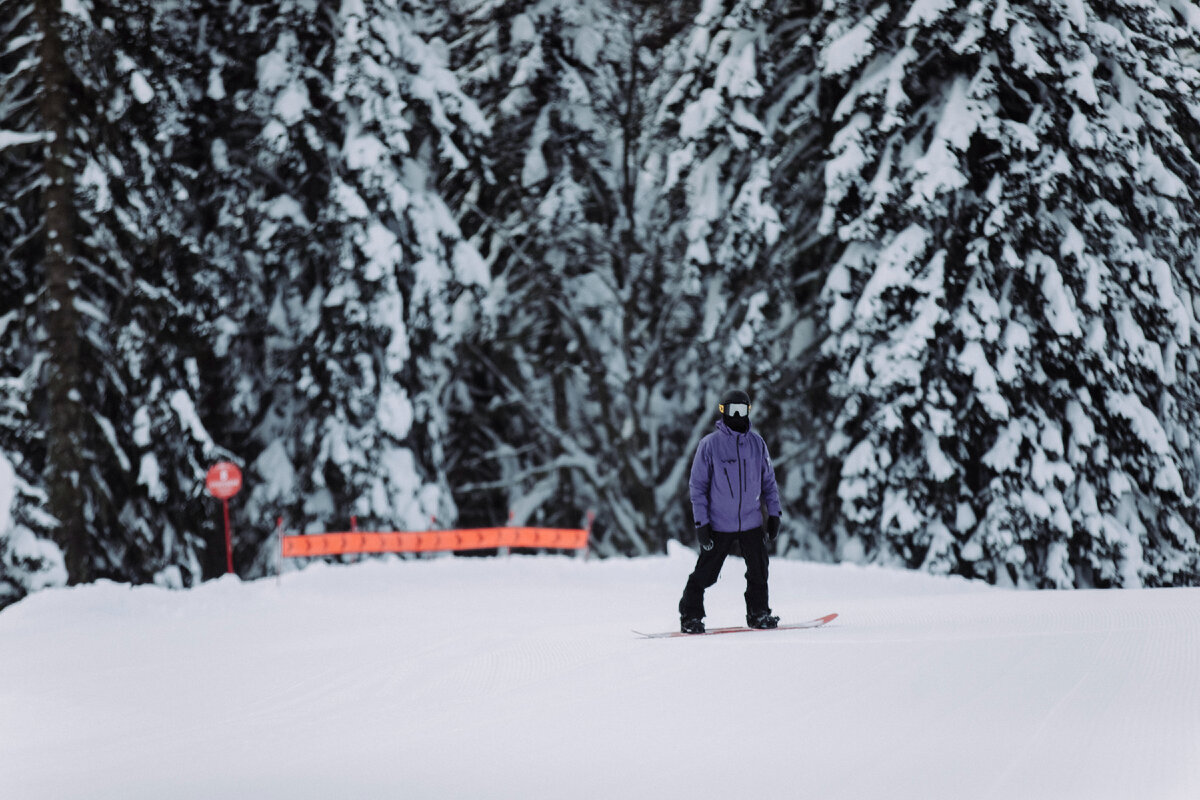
(731, 478)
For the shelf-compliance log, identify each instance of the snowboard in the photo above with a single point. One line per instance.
(790, 626)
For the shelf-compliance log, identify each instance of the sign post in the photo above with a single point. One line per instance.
(224, 481)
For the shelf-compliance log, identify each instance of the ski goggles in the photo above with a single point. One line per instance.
(735, 409)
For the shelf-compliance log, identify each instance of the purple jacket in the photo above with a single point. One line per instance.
(731, 476)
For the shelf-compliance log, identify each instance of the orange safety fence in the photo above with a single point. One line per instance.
(331, 544)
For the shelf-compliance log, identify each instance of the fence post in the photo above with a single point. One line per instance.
(279, 551)
(507, 551)
(591, 518)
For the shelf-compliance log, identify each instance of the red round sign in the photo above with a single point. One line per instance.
(224, 480)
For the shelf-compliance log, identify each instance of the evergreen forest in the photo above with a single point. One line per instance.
(458, 263)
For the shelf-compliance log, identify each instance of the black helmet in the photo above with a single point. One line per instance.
(731, 404)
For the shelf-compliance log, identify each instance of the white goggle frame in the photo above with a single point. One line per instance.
(735, 409)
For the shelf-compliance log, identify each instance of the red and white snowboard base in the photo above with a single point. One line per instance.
(791, 626)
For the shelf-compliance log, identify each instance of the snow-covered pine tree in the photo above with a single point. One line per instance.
(164, 333)
(798, 266)
(354, 281)
(542, 215)
(63, 380)
(144, 445)
(584, 349)
(266, 175)
(1010, 317)
(29, 558)
(403, 284)
(63, 376)
(62, 355)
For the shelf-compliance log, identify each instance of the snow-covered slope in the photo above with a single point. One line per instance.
(520, 678)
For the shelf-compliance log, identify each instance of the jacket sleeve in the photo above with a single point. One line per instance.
(769, 488)
(699, 482)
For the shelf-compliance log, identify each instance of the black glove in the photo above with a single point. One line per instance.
(772, 528)
(704, 534)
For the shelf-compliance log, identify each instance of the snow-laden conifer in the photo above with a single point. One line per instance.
(590, 356)
(791, 389)
(102, 329)
(543, 215)
(402, 284)
(29, 558)
(141, 328)
(269, 172)
(1010, 317)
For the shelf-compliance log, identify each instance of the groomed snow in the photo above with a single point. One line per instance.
(519, 678)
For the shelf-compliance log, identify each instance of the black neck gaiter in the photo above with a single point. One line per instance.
(737, 424)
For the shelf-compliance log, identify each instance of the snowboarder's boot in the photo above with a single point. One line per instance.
(761, 619)
(691, 625)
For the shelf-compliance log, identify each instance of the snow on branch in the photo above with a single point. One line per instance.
(10, 139)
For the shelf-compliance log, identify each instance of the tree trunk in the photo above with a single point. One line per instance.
(65, 431)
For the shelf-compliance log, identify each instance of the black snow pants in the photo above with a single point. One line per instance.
(708, 568)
